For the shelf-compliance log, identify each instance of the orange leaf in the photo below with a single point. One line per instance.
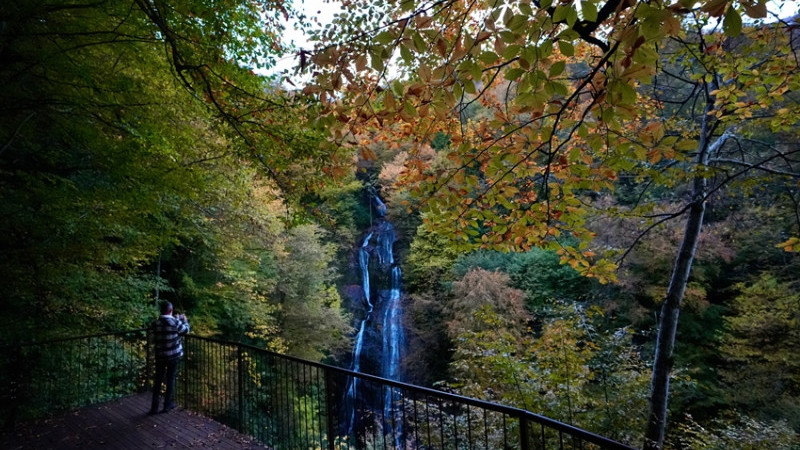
(441, 46)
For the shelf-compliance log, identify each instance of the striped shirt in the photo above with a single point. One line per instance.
(167, 332)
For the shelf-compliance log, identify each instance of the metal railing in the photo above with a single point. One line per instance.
(58, 375)
(284, 402)
(290, 403)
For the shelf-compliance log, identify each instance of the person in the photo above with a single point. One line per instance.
(167, 331)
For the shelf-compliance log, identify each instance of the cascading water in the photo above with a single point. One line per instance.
(363, 260)
(393, 340)
(392, 334)
(352, 390)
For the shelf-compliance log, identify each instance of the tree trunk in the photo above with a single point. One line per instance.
(668, 325)
(670, 310)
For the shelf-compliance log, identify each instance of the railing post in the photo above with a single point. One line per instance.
(329, 408)
(523, 433)
(185, 374)
(240, 357)
(148, 368)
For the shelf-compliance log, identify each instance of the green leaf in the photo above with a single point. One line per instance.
(513, 74)
(419, 42)
(511, 52)
(469, 87)
(385, 37)
(686, 145)
(376, 62)
(732, 24)
(595, 142)
(557, 68)
(558, 88)
(566, 48)
(589, 11)
(518, 23)
(545, 49)
(572, 16)
(560, 14)
(488, 57)
(405, 53)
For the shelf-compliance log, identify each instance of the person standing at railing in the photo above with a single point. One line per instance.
(167, 331)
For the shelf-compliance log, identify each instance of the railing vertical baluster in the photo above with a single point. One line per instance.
(330, 407)
(544, 441)
(148, 368)
(219, 379)
(183, 370)
(403, 419)
(240, 370)
(213, 395)
(308, 400)
(486, 429)
(207, 395)
(523, 433)
(285, 384)
(383, 417)
(428, 419)
(416, 420)
(455, 424)
(505, 432)
(303, 401)
(270, 399)
(302, 388)
(291, 429)
(222, 373)
(469, 425)
(441, 420)
(278, 405)
(318, 390)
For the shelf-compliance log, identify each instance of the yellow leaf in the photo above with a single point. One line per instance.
(790, 245)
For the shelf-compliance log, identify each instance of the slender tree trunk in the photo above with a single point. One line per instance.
(670, 310)
(668, 325)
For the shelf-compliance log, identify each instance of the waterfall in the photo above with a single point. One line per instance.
(363, 260)
(379, 244)
(393, 334)
(352, 390)
(393, 340)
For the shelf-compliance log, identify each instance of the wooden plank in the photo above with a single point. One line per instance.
(124, 424)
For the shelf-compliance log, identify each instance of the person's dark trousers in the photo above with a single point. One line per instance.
(166, 372)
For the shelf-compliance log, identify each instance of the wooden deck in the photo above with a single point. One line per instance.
(124, 424)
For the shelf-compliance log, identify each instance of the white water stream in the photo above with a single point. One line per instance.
(392, 333)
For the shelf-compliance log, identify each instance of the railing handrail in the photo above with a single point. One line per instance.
(505, 409)
(8, 346)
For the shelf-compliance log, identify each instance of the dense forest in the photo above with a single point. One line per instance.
(597, 202)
